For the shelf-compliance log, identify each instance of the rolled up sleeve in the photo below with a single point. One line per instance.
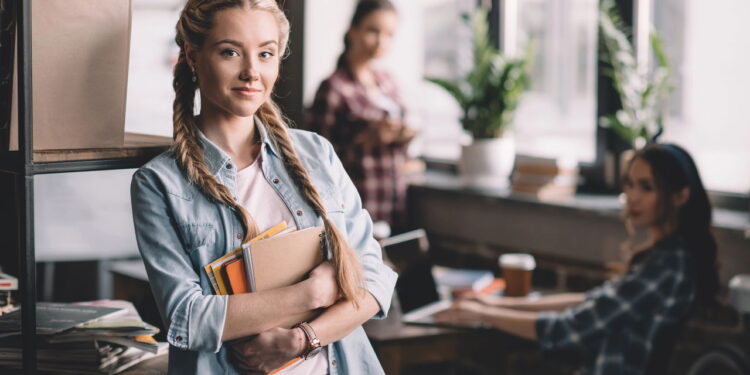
(379, 279)
(194, 321)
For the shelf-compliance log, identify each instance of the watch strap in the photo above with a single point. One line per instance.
(313, 342)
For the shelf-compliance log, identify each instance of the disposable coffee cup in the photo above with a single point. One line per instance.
(517, 270)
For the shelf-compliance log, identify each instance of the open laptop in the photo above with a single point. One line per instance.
(416, 289)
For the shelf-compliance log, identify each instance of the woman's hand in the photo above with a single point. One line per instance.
(268, 350)
(322, 286)
(463, 311)
(389, 130)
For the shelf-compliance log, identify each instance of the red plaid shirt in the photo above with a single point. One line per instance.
(341, 111)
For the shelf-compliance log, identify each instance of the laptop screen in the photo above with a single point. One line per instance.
(415, 286)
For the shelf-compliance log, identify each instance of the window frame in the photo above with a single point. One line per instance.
(608, 145)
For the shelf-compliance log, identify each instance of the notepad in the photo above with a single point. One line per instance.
(214, 269)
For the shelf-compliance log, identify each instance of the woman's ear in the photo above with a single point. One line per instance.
(190, 52)
(681, 197)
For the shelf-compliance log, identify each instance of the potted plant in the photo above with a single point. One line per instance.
(643, 94)
(488, 96)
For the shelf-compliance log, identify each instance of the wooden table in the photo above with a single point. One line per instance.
(400, 345)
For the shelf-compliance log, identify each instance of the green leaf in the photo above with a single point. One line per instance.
(490, 92)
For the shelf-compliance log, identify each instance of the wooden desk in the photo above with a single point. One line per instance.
(400, 345)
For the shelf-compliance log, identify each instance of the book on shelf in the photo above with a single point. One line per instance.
(52, 318)
(106, 342)
(8, 282)
(126, 329)
(544, 178)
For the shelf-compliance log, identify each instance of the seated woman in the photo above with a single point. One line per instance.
(617, 323)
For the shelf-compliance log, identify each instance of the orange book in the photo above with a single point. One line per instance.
(293, 361)
(235, 270)
(497, 285)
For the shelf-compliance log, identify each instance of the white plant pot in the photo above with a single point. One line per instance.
(488, 163)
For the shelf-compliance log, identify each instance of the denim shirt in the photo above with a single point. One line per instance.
(179, 230)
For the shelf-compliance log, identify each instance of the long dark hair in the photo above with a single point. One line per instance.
(673, 169)
(364, 9)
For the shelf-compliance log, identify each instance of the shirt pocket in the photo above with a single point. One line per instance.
(197, 236)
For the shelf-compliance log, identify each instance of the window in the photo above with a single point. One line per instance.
(707, 43)
(557, 116)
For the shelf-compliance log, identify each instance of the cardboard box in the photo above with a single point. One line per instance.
(80, 53)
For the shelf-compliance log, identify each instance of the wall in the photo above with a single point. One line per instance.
(474, 227)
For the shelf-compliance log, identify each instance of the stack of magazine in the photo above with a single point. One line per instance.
(98, 337)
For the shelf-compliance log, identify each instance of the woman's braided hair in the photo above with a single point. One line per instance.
(193, 26)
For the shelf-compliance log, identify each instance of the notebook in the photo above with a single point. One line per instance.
(416, 289)
(284, 260)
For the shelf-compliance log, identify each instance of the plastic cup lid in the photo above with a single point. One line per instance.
(518, 260)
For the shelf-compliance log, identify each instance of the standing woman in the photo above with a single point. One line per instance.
(359, 110)
(235, 170)
(620, 324)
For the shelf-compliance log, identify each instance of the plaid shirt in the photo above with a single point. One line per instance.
(617, 323)
(341, 112)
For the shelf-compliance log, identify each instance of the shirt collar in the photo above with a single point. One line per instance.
(215, 158)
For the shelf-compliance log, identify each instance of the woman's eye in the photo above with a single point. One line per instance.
(266, 55)
(230, 53)
(647, 187)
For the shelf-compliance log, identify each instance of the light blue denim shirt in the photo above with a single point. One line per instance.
(180, 230)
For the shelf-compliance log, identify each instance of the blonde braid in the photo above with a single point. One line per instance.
(187, 147)
(345, 260)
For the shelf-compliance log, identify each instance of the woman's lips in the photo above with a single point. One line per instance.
(634, 213)
(247, 91)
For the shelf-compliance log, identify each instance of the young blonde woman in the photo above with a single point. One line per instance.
(236, 170)
(619, 325)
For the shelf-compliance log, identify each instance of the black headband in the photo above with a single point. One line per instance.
(688, 167)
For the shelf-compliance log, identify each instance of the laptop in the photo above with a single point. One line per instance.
(416, 289)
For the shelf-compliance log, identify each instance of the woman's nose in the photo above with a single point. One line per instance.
(249, 73)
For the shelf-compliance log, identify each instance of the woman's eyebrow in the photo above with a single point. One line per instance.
(268, 42)
(241, 45)
(229, 41)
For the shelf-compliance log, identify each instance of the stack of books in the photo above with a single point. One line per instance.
(461, 282)
(8, 284)
(544, 178)
(277, 258)
(228, 274)
(99, 337)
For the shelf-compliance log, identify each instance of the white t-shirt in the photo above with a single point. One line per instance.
(259, 198)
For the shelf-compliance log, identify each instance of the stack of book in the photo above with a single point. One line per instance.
(458, 282)
(8, 284)
(277, 258)
(544, 178)
(99, 337)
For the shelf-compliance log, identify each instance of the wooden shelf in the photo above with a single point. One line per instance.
(136, 146)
